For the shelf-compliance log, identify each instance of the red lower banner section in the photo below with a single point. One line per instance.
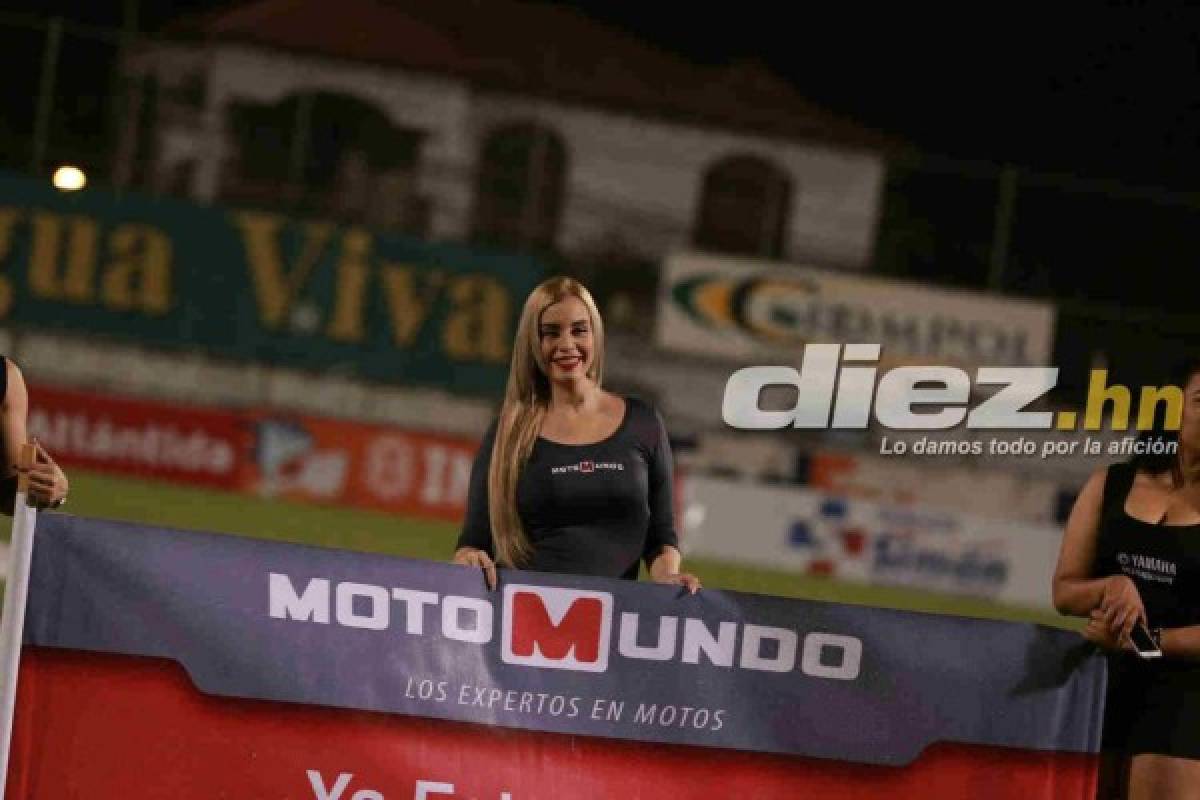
(109, 727)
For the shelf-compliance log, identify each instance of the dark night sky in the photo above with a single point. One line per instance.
(1102, 91)
(1113, 92)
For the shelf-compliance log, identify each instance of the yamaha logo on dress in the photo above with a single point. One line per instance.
(1148, 568)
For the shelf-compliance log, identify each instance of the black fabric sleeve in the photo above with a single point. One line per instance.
(477, 526)
(661, 469)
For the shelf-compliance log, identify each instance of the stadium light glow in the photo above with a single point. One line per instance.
(69, 179)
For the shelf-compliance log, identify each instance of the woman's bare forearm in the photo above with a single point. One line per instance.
(1181, 643)
(1078, 596)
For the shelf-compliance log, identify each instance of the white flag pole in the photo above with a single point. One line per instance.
(12, 626)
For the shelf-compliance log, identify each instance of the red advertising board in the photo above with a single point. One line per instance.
(295, 457)
(353, 464)
(187, 444)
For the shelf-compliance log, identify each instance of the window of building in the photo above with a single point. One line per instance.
(520, 187)
(744, 208)
(328, 154)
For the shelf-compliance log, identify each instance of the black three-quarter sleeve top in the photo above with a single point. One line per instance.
(588, 509)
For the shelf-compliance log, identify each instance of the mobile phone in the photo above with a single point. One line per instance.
(1143, 642)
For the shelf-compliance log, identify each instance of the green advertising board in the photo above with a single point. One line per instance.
(256, 285)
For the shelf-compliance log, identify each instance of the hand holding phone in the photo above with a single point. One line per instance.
(1145, 645)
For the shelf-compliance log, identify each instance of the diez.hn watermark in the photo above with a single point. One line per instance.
(840, 387)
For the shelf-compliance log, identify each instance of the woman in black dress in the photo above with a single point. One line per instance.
(47, 482)
(570, 478)
(1130, 555)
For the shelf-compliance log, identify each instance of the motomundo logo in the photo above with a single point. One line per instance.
(569, 629)
(824, 386)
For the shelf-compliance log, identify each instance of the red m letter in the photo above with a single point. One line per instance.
(580, 628)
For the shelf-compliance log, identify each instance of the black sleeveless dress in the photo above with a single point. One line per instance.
(1152, 706)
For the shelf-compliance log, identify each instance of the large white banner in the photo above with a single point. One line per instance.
(821, 534)
(761, 312)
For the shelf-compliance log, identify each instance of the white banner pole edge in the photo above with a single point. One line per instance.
(12, 625)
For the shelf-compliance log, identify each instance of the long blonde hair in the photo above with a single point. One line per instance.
(525, 403)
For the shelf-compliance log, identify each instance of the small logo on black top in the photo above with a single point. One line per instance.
(588, 467)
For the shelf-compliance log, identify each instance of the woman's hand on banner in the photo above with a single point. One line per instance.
(471, 557)
(685, 579)
(665, 569)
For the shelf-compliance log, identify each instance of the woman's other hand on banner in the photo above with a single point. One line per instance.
(470, 557)
(665, 569)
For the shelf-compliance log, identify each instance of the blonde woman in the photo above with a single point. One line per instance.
(570, 478)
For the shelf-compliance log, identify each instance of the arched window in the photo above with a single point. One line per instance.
(326, 153)
(744, 207)
(520, 187)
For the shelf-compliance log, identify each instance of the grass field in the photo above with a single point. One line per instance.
(154, 503)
